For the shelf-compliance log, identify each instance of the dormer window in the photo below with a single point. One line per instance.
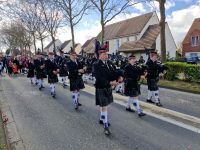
(195, 40)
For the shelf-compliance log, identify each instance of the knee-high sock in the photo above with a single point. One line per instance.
(156, 95)
(40, 82)
(52, 86)
(74, 97)
(78, 96)
(149, 94)
(101, 114)
(130, 101)
(105, 118)
(137, 105)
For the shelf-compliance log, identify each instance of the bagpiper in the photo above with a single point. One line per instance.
(106, 78)
(31, 70)
(52, 72)
(155, 70)
(132, 75)
(76, 70)
(40, 70)
(62, 63)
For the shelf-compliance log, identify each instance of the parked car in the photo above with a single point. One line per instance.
(192, 60)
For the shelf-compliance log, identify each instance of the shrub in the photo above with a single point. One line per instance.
(190, 71)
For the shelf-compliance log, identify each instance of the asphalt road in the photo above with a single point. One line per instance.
(45, 123)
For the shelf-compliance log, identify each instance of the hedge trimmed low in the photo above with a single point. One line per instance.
(191, 71)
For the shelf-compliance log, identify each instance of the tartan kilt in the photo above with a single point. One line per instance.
(132, 91)
(52, 78)
(63, 72)
(76, 84)
(104, 97)
(41, 75)
(30, 74)
(152, 84)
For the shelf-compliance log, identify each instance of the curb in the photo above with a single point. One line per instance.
(13, 138)
(150, 108)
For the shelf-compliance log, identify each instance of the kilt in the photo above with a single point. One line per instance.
(104, 97)
(76, 84)
(132, 91)
(30, 74)
(63, 72)
(152, 84)
(40, 75)
(52, 78)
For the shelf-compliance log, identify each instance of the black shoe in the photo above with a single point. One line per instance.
(159, 104)
(79, 104)
(118, 92)
(53, 94)
(106, 131)
(40, 88)
(129, 109)
(150, 101)
(64, 85)
(141, 114)
(101, 122)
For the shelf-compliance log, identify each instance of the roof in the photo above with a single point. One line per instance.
(50, 44)
(126, 27)
(87, 42)
(147, 40)
(90, 47)
(195, 26)
(63, 45)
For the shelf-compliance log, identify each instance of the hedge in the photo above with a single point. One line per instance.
(191, 72)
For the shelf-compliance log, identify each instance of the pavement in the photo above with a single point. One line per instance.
(44, 123)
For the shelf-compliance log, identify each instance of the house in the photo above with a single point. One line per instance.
(50, 46)
(88, 46)
(191, 42)
(66, 47)
(134, 35)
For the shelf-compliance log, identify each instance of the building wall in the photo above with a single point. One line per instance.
(170, 44)
(78, 49)
(67, 48)
(188, 48)
(114, 44)
(50, 49)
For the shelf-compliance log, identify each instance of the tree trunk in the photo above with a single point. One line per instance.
(42, 46)
(162, 34)
(71, 24)
(34, 42)
(102, 23)
(54, 44)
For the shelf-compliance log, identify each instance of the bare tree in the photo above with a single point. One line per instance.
(73, 11)
(53, 18)
(109, 9)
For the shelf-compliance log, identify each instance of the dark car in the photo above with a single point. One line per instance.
(192, 60)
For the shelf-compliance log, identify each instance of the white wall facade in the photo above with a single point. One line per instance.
(67, 47)
(170, 43)
(57, 43)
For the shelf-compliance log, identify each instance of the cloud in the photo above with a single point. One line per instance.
(181, 20)
(155, 4)
(140, 7)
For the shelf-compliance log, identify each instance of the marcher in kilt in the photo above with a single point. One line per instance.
(132, 75)
(52, 71)
(31, 70)
(155, 70)
(76, 70)
(62, 63)
(105, 74)
(40, 70)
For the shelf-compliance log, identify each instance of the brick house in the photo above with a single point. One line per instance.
(191, 43)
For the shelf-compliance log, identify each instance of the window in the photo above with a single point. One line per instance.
(127, 39)
(195, 40)
(117, 43)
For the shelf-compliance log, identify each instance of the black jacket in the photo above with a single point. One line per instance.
(132, 75)
(73, 68)
(103, 74)
(153, 69)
